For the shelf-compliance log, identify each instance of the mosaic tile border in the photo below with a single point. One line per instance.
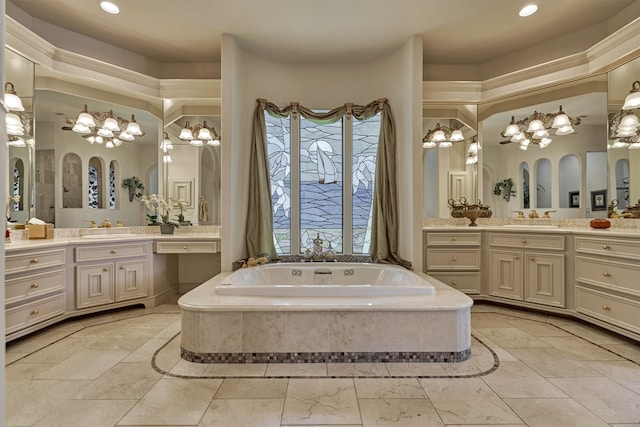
(328, 357)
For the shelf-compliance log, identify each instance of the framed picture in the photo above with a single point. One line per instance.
(599, 200)
(574, 199)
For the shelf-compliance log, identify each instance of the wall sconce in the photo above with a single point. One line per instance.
(104, 128)
(199, 134)
(165, 146)
(535, 129)
(12, 101)
(442, 136)
(632, 100)
(624, 130)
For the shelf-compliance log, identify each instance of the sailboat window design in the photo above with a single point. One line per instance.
(308, 188)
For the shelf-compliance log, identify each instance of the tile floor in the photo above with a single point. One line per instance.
(123, 368)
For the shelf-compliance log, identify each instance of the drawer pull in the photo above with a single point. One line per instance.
(606, 247)
(454, 238)
(105, 269)
(454, 259)
(122, 267)
(34, 286)
(113, 251)
(184, 247)
(34, 312)
(34, 261)
(605, 274)
(454, 283)
(523, 241)
(606, 308)
(532, 259)
(516, 257)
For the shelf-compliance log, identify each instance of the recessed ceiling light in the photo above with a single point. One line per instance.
(528, 10)
(109, 7)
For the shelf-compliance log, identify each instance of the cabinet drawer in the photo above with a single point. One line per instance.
(34, 260)
(23, 288)
(453, 239)
(527, 241)
(608, 274)
(34, 312)
(614, 248)
(610, 308)
(186, 247)
(106, 252)
(469, 283)
(453, 259)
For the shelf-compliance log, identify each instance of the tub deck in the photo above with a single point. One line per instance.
(244, 329)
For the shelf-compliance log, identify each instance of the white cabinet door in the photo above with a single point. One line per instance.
(131, 279)
(544, 279)
(506, 274)
(94, 285)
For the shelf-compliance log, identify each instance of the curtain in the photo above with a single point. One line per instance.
(384, 234)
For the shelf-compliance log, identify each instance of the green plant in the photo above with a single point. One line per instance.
(158, 206)
(504, 188)
(135, 187)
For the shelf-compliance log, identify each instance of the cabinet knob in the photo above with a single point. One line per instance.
(516, 257)
(113, 251)
(454, 238)
(606, 308)
(105, 269)
(122, 267)
(34, 261)
(34, 286)
(454, 283)
(454, 259)
(34, 312)
(523, 241)
(532, 259)
(606, 247)
(184, 247)
(605, 274)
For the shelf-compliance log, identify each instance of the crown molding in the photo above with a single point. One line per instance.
(190, 88)
(451, 92)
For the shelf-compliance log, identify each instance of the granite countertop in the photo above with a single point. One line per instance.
(632, 230)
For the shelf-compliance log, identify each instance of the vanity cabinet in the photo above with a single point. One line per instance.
(454, 258)
(607, 273)
(197, 260)
(35, 288)
(111, 273)
(527, 267)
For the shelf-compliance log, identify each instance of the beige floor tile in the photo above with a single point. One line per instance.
(166, 357)
(489, 320)
(629, 351)
(551, 362)
(516, 380)
(17, 374)
(389, 388)
(580, 349)
(321, 401)
(622, 372)
(554, 412)
(467, 401)
(296, 370)
(30, 402)
(244, 388)
(85, 365)
(537, 328)
(122, 381)
(173, 401)
(512, 338)
(235, 370)
(399, 413)
(58, 351)
(604, 397)
(145, 352)
(594, 334)
(188, 369)
(83, 413)
(468, 367)
(503, 355)
(170, 330)
(357, 369)
(243, 413)
(415, 369)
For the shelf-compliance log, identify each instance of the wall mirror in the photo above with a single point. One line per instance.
(19, 78)
(191, 158)
(558, 175)
(623, 153)
(449, 168)
(80, 176)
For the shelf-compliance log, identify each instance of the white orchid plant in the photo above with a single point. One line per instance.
(10, 201)
(159, 207)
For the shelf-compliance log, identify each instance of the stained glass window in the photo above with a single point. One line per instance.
(279, 152)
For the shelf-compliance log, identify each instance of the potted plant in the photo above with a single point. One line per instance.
(135, 187)
(159, 207)
(182, 209)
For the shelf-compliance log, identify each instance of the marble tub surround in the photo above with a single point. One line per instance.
(365, 329)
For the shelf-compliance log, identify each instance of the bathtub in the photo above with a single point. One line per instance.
(324, 280)
(321, 312)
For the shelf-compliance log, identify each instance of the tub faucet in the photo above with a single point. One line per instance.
(318, 252)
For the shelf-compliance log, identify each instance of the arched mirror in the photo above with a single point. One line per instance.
(506, 147)
(191, 159)
(20, 172)
(450, 156)
(569, 181)
(624, 140)
(83, 170)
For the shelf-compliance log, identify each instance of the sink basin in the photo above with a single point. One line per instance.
(107, 236)
(530, 226)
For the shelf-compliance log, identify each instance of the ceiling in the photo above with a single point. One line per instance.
(328, 31)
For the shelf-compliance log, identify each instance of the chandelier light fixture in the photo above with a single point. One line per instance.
(624, 130)
(199, 134)
(632, 101)
(442, 136)
(536, 129)
(105, 128)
